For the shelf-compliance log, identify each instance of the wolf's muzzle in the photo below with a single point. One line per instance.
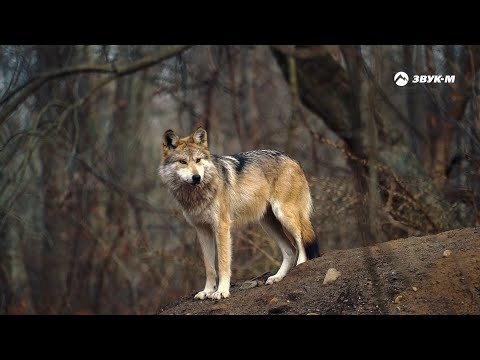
(196, 179)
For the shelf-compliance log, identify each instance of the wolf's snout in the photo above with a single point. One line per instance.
(196, 179)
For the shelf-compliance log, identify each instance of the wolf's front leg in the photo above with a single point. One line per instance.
(224, 249)
(207, 243)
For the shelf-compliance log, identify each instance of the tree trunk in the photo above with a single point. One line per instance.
(332, 93)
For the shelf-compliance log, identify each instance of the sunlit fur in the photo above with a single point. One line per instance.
(263, 186)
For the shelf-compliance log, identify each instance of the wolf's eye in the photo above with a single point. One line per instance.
(182, 162)
(198, 160)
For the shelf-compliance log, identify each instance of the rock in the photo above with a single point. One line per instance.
(260, 283)
(313, 314)
(278, 309)
(414, 289)
(398, 299)
(332, 275)
(274, 300)
(249, 284)
(447, 253)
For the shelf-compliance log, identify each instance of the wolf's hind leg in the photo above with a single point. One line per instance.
(207, 243)
(274, 228)
(287, 214)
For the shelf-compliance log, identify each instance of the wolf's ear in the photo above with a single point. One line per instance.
(170, 140)
(200, 137)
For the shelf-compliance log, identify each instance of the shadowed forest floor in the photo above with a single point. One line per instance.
(404, 276)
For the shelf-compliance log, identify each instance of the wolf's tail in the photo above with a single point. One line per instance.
(309, 240)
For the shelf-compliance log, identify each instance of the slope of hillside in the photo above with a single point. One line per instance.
(405, 276)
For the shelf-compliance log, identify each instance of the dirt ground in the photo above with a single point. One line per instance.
(405, 276)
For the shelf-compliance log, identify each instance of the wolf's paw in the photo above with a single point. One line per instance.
(203, 295)
(219, 294)
(273, 279)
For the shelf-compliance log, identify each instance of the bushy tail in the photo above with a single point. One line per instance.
(309, 240)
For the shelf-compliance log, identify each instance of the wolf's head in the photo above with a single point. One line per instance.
(185, 160)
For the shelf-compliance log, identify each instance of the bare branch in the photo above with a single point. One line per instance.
(20, 94)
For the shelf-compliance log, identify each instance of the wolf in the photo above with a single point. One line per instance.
(218, 193)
